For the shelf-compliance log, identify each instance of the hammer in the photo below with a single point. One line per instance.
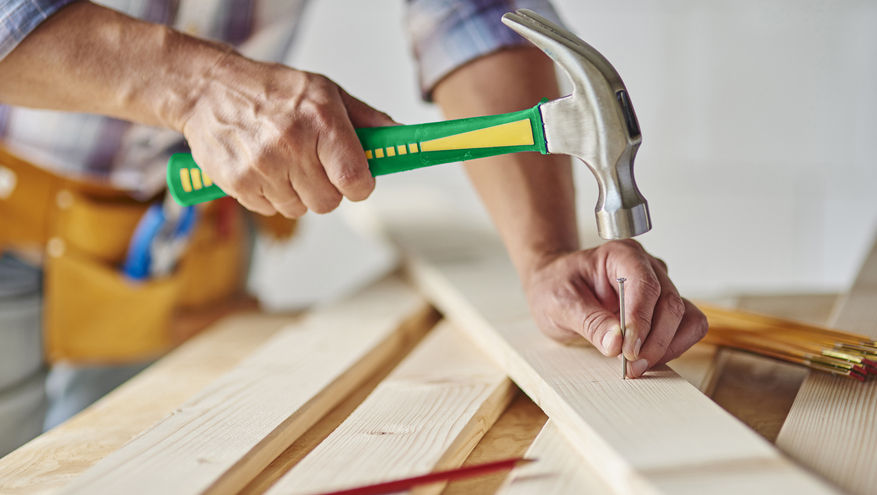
(595, 124)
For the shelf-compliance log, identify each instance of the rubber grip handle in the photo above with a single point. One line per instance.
(399, 148)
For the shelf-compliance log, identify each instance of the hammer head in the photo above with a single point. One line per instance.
(595, 124)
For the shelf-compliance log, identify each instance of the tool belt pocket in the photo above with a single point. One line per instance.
(93, 313)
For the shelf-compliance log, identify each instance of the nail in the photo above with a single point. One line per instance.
(636, 347)
(638, 368)
(610, 338)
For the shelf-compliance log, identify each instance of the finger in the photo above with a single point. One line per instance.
(666, 318)
(285, 200)
(341, 154)
(693, 327)
(642, 291)
(580, 312)
(362, 115)
(312, 185)
(257, 204)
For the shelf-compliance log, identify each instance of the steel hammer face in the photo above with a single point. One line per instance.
(595, 124)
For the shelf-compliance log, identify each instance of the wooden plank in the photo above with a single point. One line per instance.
(651, 435)
(558, 470)
(832, 425)
(221, 438)
(427, 415)
(58, 456)
(320, 431)
(510, 437)
(700, 366)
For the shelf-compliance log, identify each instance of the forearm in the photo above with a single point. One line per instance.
(530, 197)
(87, 58)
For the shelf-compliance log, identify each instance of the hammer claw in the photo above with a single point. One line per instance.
(595, 124)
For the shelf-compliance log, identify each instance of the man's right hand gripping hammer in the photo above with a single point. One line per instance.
(595, 124)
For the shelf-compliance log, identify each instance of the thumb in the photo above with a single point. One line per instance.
(362, 115)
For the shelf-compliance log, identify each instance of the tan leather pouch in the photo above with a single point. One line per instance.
(92, 313)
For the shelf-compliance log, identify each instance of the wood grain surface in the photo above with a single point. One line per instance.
(426, 415)
(222, 437)
(320, 431)
(510, 437)
(832, 425)
(651, 435)
(558, 470)
(55, 458)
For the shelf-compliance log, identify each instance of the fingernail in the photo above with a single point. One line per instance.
(609, 340)
(637, 368)
(636, 347)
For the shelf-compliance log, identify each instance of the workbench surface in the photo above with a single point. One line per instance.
(757, 390)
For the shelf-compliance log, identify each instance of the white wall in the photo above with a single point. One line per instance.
(759, 120)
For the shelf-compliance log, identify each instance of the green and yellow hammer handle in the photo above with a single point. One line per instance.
(399, 148)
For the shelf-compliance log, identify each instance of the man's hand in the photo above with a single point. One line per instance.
(278, 139)
(575, 294)
(531, 199)
(281, 140)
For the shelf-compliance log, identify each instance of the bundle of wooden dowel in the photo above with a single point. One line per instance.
(832, 351)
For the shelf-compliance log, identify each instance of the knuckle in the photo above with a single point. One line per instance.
(632, 244)
(262, 166)
(354, 180)
(238, 183)
(327, 204)
(701, 326)
(649, 287)
(659, 345)
(350, 177)
(592, 324)
(675, 305)
(663, 264)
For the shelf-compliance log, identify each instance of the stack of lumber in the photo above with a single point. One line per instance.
(380, 386)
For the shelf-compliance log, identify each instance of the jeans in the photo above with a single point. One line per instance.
(34, 398)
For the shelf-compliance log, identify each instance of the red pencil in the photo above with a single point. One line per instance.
(449, 475)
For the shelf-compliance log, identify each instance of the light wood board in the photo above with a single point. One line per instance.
(222, 437)
(329, 423)
(510, 437)
(700, 366)
(558, 470)
(657, 434)
(832, 425)
(55, 458)
(426, 415)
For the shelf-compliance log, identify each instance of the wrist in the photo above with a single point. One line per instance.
(535, 259)
(186, 77)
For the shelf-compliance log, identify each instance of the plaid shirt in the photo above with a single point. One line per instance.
(445, 34)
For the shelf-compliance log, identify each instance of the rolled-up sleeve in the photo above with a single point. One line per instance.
(19, 17)
(445, 34)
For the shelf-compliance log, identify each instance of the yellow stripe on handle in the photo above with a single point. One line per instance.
(207, 181)
(196, 178)
(518, 133)
(184, 180)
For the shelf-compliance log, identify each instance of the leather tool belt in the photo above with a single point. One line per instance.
(92, 313)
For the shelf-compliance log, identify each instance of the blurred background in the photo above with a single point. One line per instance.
(758, 121)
